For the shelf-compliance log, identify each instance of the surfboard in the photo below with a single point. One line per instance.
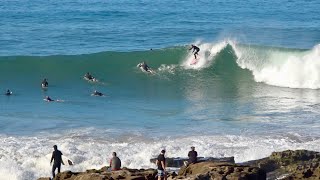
(194, 61)
(67, 161)
(90, 80)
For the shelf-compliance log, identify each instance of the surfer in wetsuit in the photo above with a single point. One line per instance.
(144, 66)
(57, 157)
(88, 76)
(97, 93)
(8, 93)
(48, 99)
(44, 83)
(195, 50)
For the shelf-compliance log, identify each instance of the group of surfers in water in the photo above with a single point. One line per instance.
(143, 66)
(87, 77)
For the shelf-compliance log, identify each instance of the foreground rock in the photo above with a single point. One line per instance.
(203, 170)
(299, 164)
(211, 170)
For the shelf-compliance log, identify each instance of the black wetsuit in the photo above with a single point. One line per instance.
(195, 50)
(45, 83)
(57, 157)
(88, 76)
(144, 66)
(97, 93)
(192, 156)
(49, 99)
(8, 93)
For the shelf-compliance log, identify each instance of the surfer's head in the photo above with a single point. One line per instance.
(55, 147)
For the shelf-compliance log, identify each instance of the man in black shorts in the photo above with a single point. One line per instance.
(195, 50)
(161, 163)
(57, 157)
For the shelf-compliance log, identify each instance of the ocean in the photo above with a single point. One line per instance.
(254, 89)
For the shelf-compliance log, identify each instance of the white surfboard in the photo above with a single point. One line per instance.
(91, 80)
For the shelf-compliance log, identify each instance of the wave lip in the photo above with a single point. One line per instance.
(282, 67)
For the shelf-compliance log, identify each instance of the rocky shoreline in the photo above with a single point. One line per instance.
(285, 165)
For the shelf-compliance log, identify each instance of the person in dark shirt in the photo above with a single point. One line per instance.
(57, 157)
(192, 156)
(115, 162)
(195, 50)
(161, 163)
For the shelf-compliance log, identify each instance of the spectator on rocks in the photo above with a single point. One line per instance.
(161, 163)
(57, 157)
(115, 162)
(193, 155)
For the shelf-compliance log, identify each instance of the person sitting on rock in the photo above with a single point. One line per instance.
(115, 162)
(192, 156)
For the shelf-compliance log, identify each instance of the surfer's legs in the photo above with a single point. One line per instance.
(54, 167)
(59, 166)
(195, 54)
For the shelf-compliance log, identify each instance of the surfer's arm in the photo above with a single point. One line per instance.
(163, 165)
(61, 159)
(51, 158)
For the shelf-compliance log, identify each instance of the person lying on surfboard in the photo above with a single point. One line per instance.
(96, 93)
(88, 76)
(195, 50)
(47, 98)
(144, 66)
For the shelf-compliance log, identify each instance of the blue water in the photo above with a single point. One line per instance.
(254, 90)
(30, 27)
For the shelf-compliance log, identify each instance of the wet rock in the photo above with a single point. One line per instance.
(211, 170)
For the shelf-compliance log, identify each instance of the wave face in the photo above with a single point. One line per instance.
(293, 68)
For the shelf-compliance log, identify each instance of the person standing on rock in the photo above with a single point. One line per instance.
(193, 155)
(57, 157)
(161, 163)
(115, 162)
